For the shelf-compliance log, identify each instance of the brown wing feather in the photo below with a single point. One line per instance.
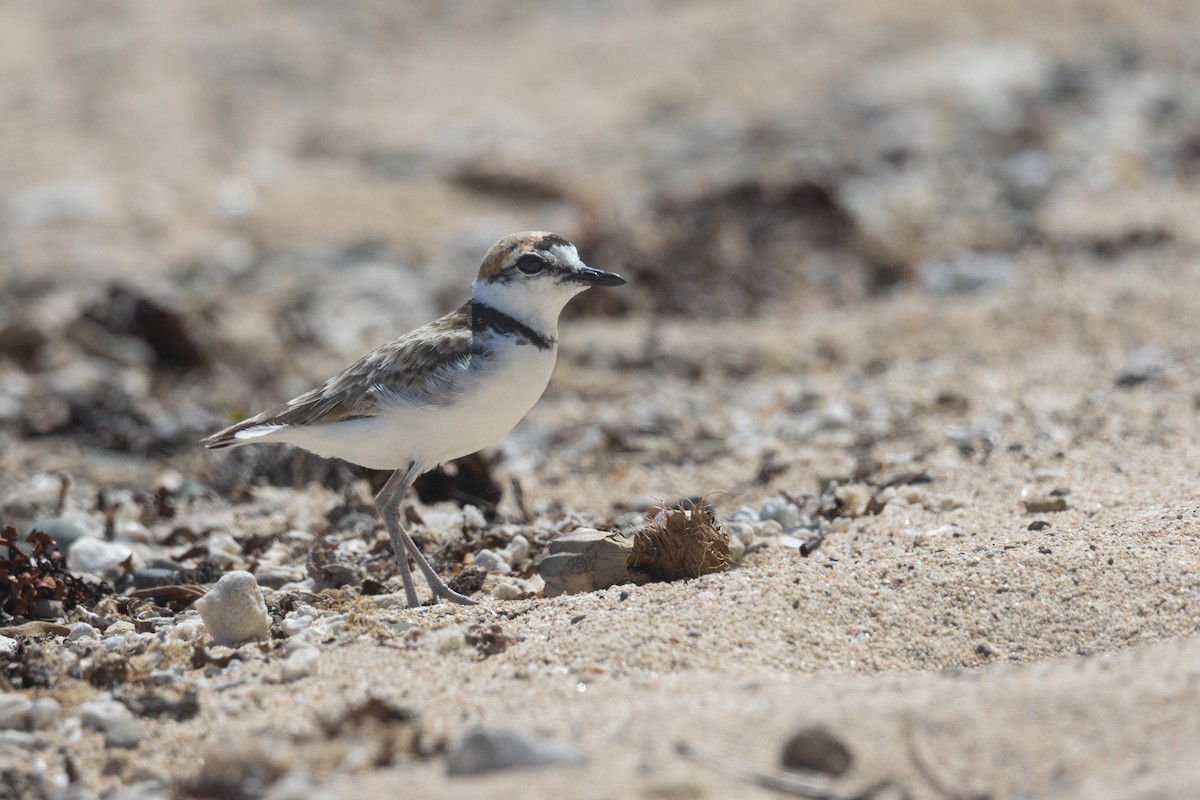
(414, 368)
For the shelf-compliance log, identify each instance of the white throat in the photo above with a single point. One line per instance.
(537, 305)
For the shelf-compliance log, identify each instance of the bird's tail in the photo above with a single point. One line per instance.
(244, 432)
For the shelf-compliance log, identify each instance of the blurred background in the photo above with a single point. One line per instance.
(206, 208)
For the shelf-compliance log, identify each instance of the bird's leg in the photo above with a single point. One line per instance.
(388, 503)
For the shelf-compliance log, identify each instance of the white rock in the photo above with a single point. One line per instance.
(445, 640)
(43, 713)
(744, 514)
(492, 561)
(742, 532)
(81, 630)
(300, 663)
(8, 647)
(482, 751)
(234, 611)
(444, 521)
(517, 551)
(780, 510)
(473, 518)
(737, 549)
(98, 557)
(120, 727)
(15, 711)
(296, 622)
(507, 591)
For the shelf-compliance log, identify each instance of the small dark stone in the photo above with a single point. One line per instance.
(1044, 551)
(1038, 525)
(817, 750)
(150, 577)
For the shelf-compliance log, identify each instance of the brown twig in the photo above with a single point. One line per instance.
(519, 499)
(934, 771)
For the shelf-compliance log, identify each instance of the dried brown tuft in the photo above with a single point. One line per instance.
(682, 544)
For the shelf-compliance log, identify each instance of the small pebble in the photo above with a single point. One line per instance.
(517, 551)
(15, 711)
(120, 727)
(150, 577)
(63, 531)
(482, 751)
(98, 557)
(300, 663)
(234, 611)
(507, 591)
(43, 713)
(492, 562)
(445, 640)
(816, 749)
(782, 511)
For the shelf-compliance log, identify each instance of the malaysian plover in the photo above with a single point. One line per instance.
(443, 391)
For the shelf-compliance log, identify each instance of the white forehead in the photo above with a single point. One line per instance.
(566, 254)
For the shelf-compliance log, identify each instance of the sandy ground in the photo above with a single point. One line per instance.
(956, 642)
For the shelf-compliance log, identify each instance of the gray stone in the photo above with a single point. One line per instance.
(482, 751)
(63, 531)
(120, 727)
(816, 749)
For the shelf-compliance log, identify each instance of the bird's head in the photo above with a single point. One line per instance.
(532, 275)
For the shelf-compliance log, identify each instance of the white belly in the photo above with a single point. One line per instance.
(432, 434)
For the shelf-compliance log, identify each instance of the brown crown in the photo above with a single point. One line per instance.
(501, 253)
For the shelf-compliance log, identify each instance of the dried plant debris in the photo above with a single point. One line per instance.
(467, 582)
(128, 327)
(679, 544)
(175, 702)
(27, 579)
(466, 480)
(393, 730)
(488, 640)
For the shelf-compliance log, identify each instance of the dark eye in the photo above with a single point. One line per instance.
(529, 263)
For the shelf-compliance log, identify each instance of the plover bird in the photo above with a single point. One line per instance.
(443, 391)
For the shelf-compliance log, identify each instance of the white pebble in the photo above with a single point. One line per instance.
(445, 640)
(15, 711)
(8, 647)
(81, 630)
(120, 727)
(473, 518)
(234, 611)
(507, 591)
(300, 663)
(785, 513)
(43, 712)
(517, 551)
(737, 549)
(491, 561)
(744, 514)
(98, 557)
(295, 623)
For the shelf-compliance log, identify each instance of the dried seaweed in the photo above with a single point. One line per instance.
(680, 544)
(41, 574)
